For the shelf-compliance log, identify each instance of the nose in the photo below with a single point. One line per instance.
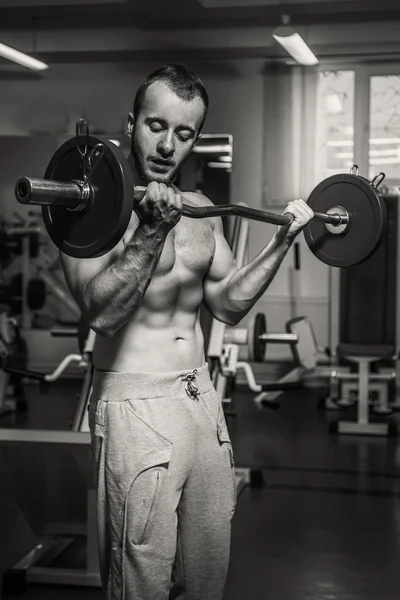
(166, 145)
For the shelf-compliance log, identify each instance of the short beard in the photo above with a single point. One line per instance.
(140, 170)
(138, 163)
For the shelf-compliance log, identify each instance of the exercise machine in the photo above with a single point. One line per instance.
(363, 384)
(13, 355)
(55, 540)
(365, 337)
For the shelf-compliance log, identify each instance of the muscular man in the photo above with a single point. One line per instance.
(164, 462)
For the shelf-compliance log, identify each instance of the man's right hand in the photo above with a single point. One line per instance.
(161, 207)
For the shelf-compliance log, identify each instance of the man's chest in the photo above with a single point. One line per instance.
(190, 245)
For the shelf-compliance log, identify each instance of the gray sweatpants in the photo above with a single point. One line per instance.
(165, 482)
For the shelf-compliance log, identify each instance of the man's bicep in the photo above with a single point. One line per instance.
(222, 267)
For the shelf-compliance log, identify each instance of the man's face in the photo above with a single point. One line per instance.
(165, 132)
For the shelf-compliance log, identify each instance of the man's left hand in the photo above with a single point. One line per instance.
(302, 214)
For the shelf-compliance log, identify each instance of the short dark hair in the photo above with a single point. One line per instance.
(182, 81)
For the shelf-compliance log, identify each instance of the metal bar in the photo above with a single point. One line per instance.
(279, 338)
(371, 376)
(54, 576)
(43, 436)
(363, 392)
(64, 331)
(254, 214)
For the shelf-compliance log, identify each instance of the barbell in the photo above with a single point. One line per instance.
(86, 209)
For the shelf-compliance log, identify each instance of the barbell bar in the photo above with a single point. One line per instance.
(77, 197)
(86, 209)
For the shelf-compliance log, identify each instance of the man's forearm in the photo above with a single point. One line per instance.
(249, 283)
(112, 296)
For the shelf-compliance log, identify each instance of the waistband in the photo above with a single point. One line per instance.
(119, 386)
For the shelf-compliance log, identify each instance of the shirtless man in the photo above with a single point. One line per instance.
(164, 462)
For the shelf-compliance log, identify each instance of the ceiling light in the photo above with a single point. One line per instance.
(22, 59)
(294, 44)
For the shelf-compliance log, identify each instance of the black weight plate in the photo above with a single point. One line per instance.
(96, 230)
(256, 347)
(368, 216)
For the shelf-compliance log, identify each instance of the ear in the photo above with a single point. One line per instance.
(130, 124)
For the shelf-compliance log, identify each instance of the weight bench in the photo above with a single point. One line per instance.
(364, 381)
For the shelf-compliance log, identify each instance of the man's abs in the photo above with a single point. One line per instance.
(152, 347)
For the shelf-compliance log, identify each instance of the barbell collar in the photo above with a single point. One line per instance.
(46, 192)
(279, 338)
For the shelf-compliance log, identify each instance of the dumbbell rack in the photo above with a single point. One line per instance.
(36, 566)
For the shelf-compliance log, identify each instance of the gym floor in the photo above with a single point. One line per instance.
(324, 525)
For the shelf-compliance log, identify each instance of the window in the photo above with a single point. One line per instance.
(335, 123)
(384, 120)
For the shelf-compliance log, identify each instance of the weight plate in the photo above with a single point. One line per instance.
(368, 219)
(97, 229)
(256, 347)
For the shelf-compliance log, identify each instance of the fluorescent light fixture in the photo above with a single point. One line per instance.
(218, 165)
(294, 44)
(393, 160)
(212, 149)
(22, 59)
(377, 141)
(372, 153)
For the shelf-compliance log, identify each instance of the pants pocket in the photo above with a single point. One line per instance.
(97, 430)
(226, 447)
(141, 505)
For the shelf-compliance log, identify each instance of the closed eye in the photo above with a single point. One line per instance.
(185, 135)
(184, 138)
(156, 127)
